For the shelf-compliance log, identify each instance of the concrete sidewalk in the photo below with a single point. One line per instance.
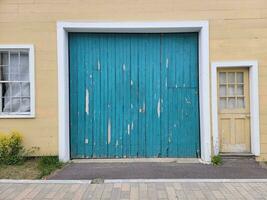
(142, 190)
(231, 169)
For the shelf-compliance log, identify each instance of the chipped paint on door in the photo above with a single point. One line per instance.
(134, 95)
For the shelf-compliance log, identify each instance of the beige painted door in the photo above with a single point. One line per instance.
(234, 111)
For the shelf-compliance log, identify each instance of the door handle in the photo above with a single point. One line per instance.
(247, 116)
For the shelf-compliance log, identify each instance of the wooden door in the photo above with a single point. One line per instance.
(134, 95)
(234, 110)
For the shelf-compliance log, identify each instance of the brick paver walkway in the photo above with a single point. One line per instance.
(170, 190)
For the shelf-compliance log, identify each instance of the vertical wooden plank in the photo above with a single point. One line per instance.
(111, 96)
(180, 127)
(126, 70)
(195, 111)
(170, 122)
(194, 60)
(195, 88)
(175, 135)
(186, 134)
(191, 121)
(149, 95)
(142, 96)
(89, 97)
(156, 100)
(179, 57)
(171, 88)
(73, 95)
(103, 95)
(119, 95)
(171, 60)
(182, 141)
(134, 94)
(164, 95)
(96, 95)
(81, 96)
(186, 61)
(177, 50)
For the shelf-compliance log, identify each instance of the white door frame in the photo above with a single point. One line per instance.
(254, 102)
(202, 27)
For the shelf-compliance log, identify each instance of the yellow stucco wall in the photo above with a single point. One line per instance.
(238, 31)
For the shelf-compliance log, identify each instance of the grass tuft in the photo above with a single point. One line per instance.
(48, 164)
(216, 160)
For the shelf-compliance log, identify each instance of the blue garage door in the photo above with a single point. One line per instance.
(134, 95)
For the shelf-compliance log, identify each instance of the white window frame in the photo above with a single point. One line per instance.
(201, 27)
(29, 48)
(252, 66)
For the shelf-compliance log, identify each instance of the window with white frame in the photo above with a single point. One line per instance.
(16, 82)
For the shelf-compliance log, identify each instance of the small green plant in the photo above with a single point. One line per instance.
(216, 160)
(48, 164)
(12, 151)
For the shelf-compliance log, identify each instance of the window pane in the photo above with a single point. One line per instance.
(231, 103)
(231, 77)
(4, 73)
(25, 105)
(222, 90)
(222, 77)
(240, 90)
(6, 104)
(24, 66)
(25, 89)
(4, 69)
(240, 102)
(1, 97)
(15, 89)
(4, 58)
(239, 77)
(223, 103)
(14, 58)
(14, 66)
(231, 90)
(6, 89)
(14, 77)
(2, 104)
(24, 58)
(15, 107)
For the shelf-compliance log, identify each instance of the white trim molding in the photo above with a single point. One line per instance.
(202, 27)
(29, 48)
(254, 102)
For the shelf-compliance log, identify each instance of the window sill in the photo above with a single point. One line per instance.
(30, 116)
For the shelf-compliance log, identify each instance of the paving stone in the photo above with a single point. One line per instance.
(115, 195)
(125, 195)
(134, 193)
(125, 187)
(151, 191)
